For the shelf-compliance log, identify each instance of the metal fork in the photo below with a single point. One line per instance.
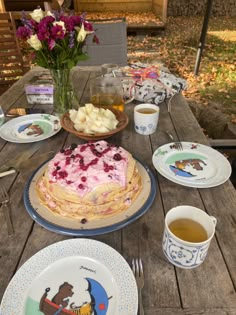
(5, 205)
(137, 268)
(178, 145)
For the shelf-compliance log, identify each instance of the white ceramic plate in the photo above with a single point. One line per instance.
(30, 128)
(197, 165)
(86, 273)
(69, 226)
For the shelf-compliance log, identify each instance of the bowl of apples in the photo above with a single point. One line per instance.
(93, 123)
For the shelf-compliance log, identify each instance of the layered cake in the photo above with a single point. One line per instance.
(90, 181)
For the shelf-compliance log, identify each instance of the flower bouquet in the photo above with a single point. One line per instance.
(57, 41)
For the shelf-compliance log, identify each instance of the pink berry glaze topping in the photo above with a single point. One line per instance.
(83, 167)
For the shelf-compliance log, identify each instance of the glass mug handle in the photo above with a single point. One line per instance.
(131, 89)
(213, 219)
(127, 101)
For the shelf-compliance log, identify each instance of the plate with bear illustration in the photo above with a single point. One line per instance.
(71, 277)
(197, 165)
(30, 128)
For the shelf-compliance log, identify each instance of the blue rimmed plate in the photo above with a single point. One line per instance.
(75, 276)
(69, 226)
(30, 128)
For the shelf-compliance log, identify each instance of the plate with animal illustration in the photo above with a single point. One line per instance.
(197, 165)
(30, 128)
(72, 277)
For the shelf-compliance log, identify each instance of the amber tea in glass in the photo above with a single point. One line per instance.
(107, 91)
(113, 100)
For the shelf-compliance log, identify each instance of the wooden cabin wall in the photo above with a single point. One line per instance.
(117, 5)
(159, 8)
(19, 5)
(2, 6)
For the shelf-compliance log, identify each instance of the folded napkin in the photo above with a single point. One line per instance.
(149, 83)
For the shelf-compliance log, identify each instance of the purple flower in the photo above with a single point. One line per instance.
(43, 32)
(69, 23)
(23, 32)
(60, 36)
(46, 22)
(43, 28)
(77, 20)
(57, 32)
(71, 39)
(88, 26)
(33, 24)
(25, 21)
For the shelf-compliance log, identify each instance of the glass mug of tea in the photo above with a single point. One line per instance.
(146, 118)
(187, 236)
(107, 91)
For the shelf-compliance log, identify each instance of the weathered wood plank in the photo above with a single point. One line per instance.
(201, 311)
(208, 289)
(21, 220)
(222, 143)
(219, 201)
(144, 237)
(103, 7)
(211, 293)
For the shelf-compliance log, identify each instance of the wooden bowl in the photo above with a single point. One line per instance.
(68, 125)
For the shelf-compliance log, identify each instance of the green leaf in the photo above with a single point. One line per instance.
(41, 63)
(82, 57)
(71, 64)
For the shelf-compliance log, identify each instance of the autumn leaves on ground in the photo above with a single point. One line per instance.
(177, 47)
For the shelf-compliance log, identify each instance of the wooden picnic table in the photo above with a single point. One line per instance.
(208, 289)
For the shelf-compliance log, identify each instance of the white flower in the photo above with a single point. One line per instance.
(82, 33)
(49, 13)
(37, 15)
(34, 42)
(61, 23)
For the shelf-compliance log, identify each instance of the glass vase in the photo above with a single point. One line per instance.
(63, 94)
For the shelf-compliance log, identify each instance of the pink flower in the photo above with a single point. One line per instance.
(57, 32)
(51, 44)
(88, 26)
